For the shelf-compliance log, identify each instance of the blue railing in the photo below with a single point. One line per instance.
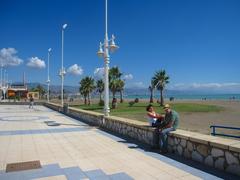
(213, 127)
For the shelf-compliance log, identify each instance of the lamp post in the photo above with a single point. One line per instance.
(62, 71)
(48, 78)
(1, 75)
(105, 54)
(4, 85)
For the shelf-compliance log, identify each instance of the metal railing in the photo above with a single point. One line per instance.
(213, 127)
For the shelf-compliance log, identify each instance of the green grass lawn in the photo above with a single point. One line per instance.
(138, 110)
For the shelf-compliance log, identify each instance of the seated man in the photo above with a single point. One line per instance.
(171, 120)
(155, 120)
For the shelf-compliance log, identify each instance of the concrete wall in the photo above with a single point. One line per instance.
(221, 153)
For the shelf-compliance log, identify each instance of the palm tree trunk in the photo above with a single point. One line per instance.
(100, 98)
(114, 101)
(89, 102)
(161, 94)
(113, 93)
(85, 100)
(151, 97)
(121, 97)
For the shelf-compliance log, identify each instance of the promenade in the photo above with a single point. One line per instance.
(74, 150)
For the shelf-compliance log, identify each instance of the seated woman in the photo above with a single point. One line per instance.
(155, 120)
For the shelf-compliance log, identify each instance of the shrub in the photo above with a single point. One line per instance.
(136, 100)
(131, 103)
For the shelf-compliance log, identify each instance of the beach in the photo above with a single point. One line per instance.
(200, 122)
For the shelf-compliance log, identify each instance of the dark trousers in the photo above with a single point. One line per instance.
(158, 124)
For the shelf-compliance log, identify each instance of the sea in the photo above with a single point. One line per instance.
(189, 96)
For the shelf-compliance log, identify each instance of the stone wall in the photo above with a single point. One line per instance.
(127, 127)
(21, 103)
(217, 152)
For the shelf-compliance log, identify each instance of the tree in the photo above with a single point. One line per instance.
(120, 87)
(160, 80)
(114, 73)
(114, 79)
(151, 89)
(86, 88)
(40, 89)
(113, 86)
(100, 89)
(83, 92)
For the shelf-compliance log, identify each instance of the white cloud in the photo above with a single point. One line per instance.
(128, 77)
(35, 62)
(8, 57)
(75, 70)
(99, 73)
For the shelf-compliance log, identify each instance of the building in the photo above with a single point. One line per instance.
(19, 90)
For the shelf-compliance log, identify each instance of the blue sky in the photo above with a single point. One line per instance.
(196, 42)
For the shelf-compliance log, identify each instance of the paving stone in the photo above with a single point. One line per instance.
(120, 176)
(94, 173)
(73, 173)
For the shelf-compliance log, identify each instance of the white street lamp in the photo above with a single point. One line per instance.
(48, 78)
(105, 54)
(4, 88)
(62, 71)
(1, 75)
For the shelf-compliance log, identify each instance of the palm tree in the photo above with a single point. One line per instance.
(86, 88)
(83, 92)
(114, 73)
(40, 89)
(151, 89)
(100, 88)
(160, 80)
(113, 86)
(120, 85)
(114, 77)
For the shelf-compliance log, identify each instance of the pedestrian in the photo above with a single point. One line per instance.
(154, 119)
(31, 102)
(171, 120)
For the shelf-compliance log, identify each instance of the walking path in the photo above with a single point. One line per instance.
(73, 150)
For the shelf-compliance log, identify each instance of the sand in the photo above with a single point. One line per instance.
(200, 122)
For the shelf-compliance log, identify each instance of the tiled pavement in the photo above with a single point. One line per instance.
(74, 150)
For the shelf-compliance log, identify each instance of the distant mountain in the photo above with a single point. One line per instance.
(127, 91)
(55, 88)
